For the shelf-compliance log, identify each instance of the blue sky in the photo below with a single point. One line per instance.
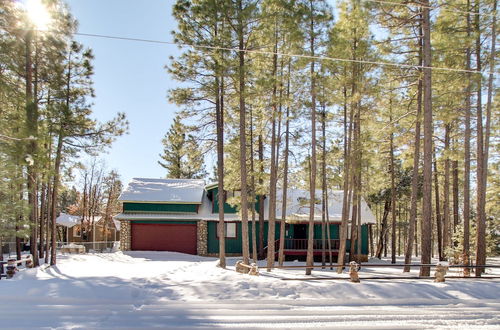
(130, 76)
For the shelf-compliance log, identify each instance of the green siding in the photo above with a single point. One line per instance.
(152, 207)
(364, 240)
(233, 245)
(227, 208)
(334, 231)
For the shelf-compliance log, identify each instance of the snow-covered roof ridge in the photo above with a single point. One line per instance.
(164, 190)
(69, 220)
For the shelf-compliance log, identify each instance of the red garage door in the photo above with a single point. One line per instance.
(164, 237)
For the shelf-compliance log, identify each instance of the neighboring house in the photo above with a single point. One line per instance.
(182, 215)
(71, 230)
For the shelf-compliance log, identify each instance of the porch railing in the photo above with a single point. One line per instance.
(301, 244)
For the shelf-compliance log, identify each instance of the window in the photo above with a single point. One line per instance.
(76, 231)
(230, 230)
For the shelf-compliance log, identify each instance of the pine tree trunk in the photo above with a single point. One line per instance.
(281, 256)
(393, 190)
(31, 149)
(446, 201)
(219, 112)
(426, 229)
(324, 201)
(261, 199)
(467, 156)
(439, 231)
(49, 221)
(456, 210)
(312, 183)
(383, 229)
(415, 174)
(481, 228)
(243, 144)
(346, 199)
(481, 216)
(271, 231)
(253, 195)
(55, 192)
(41, 217)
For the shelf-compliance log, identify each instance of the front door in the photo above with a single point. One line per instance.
(300, 231)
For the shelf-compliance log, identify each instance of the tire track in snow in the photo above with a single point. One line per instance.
(278, 314)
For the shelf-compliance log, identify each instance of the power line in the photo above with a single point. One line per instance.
(262, 52)
(415, 4)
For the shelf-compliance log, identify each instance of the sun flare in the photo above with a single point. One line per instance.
(38, 14)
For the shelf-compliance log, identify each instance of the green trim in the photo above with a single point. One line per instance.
(158, 212)
(156, 208)
(161, 202)
(166, 222)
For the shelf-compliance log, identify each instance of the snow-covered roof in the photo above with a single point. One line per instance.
(297, 209)
(68, 220)
(164, 190)
(298, 206)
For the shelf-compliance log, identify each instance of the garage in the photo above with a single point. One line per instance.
(164, 237)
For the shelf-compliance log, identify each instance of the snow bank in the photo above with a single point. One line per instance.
(167, 289)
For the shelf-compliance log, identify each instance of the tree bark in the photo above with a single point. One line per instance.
(219, 113)
(281, 256)
(271, 231)
(439, 231)
(481, 205)
(428, 128)
(243, 144)
(346, 198)
(467, 160)
(415, 173)
(55, 191)
(324, 200)
(383, 229)
(446, 201)
(261, 199)
(31, 148)
(253, 195)
(312, 183)
(393, 189)
(456, 210)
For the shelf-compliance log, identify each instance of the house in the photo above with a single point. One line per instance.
(70, 229)
(182, 215)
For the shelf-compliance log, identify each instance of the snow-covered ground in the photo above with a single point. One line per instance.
(164, 289)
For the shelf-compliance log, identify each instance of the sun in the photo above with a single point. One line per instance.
(38, 14)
